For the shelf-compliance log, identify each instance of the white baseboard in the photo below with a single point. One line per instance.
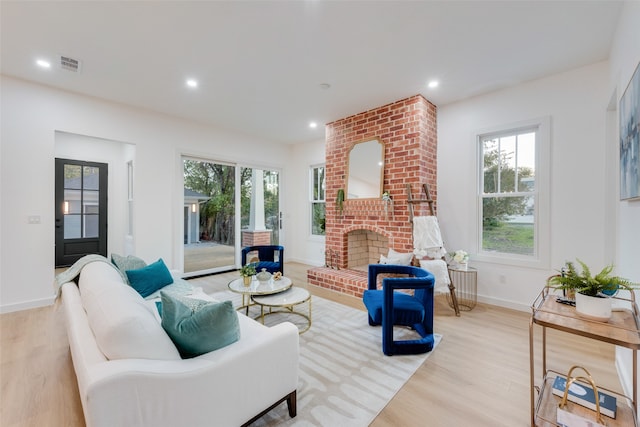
(504, 303)
(43, 302)
(312, 263)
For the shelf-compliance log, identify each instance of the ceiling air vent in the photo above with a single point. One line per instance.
(69, 64)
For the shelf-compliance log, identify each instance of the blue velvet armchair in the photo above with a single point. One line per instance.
(387, 307)
(270, 257)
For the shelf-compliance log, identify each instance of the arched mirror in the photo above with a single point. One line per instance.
(365, 170)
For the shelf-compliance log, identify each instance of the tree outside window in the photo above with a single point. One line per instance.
(317, 201)
(509, 192)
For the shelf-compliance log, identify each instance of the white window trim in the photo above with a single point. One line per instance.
(318, 237)
(542, 234)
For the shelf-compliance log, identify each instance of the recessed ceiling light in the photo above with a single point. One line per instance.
(44, 64)
(192, 83)
(433, 84)
(313, 125)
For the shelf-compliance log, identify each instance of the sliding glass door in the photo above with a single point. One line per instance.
(215, 226)
(209, 217)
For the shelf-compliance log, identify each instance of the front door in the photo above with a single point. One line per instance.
(80, 210)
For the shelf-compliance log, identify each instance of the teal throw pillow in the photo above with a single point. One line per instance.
(129, 262)
(196, 326)
(149, 279)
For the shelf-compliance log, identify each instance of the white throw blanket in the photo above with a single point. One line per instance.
(427, 240)
(73, 272)
(438, 268)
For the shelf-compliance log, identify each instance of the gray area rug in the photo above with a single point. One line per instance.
(345, 379)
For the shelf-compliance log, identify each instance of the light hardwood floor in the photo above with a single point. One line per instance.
(477, 376)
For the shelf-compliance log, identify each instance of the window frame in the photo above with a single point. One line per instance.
(541, 194)
(312, 199)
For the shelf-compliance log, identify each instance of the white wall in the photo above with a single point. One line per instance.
(575, 102)
(625, 57)
(116, 155)
(31, 116)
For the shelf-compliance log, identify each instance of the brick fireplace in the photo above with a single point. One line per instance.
(367, 228)
(364, 247)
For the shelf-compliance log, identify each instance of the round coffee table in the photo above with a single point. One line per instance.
(283, 302)
(257, 287)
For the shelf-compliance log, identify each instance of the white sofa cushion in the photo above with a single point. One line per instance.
(130, 262)
(123, 324)
(399, 257)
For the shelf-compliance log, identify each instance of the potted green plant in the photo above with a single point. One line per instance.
(246, 271)
(591, 292)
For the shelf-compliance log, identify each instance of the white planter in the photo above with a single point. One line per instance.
(593, 308)
(458, 265)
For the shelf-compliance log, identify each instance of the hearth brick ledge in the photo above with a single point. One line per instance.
(350, 282)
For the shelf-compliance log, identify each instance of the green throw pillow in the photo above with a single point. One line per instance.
(129, 262)
(196, 326)
(149, 279)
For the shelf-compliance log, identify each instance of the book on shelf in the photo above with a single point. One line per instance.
(567, 419)
(583, 394)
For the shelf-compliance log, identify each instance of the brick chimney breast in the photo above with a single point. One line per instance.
(408, 130)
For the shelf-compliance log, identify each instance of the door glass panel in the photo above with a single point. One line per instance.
(72, 176)
(91, 178)
(72, 202)
(210, 212)
(91, 209)
(90, 198)
(209, 217)
(91, 225)
(72, 226)
(81, 203)
(265, 200)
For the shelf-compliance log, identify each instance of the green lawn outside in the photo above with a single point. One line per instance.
(509, 238)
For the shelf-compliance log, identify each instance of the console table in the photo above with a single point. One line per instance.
(622, 329)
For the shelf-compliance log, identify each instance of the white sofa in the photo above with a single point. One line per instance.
(231, 386)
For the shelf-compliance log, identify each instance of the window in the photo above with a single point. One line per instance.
(317, 201)
(513, 198)
(130, 197)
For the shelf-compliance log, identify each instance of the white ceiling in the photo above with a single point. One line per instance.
(260, 63)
